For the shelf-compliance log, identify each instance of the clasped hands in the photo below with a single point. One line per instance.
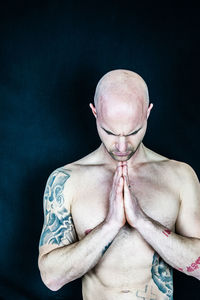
(123, 205)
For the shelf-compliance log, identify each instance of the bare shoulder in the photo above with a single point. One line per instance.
(181, 170)
(176, 170)
(189, 182)
(57, 181)
(86, 174)
(84, 166)
(73, 169)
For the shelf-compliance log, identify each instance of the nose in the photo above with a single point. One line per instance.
(121, 144)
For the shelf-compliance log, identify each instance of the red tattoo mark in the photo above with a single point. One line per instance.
(166, 232)
(198, 260)
(180, 269)
(190, 269)
(194, 266)
(87, 231)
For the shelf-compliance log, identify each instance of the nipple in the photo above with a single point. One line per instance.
(87, 231)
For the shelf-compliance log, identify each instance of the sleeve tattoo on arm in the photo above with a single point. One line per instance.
(58, 225)
(162, 276)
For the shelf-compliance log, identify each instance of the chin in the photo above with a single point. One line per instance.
(121, 158)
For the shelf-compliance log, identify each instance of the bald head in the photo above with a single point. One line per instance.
(121, 111)
(122, 85)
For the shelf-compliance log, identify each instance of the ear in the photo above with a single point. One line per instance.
(149, 109)
(93, 109)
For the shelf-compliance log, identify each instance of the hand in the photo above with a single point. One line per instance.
(116, 214)
(132, 209)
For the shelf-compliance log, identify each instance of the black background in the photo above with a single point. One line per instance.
(52, 53)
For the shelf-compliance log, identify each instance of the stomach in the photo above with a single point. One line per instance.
(92, 288)
(128, 269)
(126, 258)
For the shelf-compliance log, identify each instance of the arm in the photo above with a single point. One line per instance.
(181, 250)
(62, 258)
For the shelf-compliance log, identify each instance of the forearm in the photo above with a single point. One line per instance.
(70, 262)
(180, 252)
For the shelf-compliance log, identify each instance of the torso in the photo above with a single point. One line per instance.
(125, 270)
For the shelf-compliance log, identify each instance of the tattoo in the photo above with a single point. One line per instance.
(106, 247)
(147, 294)
(166, 232)
(194, 266)
(58, 224)
(162, 276)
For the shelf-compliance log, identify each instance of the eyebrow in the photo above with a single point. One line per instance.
(110, 132)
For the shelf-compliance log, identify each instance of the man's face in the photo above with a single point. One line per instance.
(121, 126)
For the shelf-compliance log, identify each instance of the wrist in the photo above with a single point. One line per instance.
(112, 225)
(141, 219)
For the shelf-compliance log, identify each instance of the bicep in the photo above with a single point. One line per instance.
(188, 221)
(58, 229)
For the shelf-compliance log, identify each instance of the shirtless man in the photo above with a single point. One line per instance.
(123, 216)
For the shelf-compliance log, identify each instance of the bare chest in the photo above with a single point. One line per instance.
(157, 198)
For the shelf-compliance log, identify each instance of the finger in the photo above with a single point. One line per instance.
(118, 173)
(126, 168)
(120, 163)
(126, 185)
(120, 186)
(125, 172)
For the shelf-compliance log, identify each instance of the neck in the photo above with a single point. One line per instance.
(139, 156)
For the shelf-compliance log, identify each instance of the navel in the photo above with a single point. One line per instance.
(125, 291)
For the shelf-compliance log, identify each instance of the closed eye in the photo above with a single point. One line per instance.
(135, 132)
(110, 133)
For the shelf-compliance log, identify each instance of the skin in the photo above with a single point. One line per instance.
(135, 214)
(122, 112)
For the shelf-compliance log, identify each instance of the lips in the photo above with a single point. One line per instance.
(121, 154)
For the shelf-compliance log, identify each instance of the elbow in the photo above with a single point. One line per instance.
(51, 281)
(54, 283)
(51, 284)
(50, 277)
(195, 275)
(198, 277)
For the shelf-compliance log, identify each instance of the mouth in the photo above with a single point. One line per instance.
(121, 154)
